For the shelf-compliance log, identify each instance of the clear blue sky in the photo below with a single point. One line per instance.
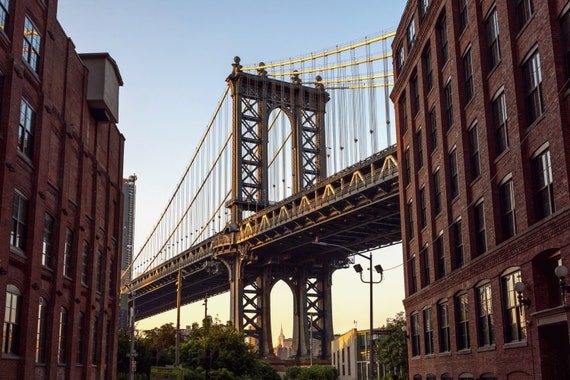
(174, 57)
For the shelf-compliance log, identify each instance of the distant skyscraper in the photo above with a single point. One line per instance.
(129, 201)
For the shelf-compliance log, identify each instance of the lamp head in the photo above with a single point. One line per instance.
(379, 268)
(561, 271)
(357, 268)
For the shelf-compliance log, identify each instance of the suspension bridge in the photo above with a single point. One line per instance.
(296, 151)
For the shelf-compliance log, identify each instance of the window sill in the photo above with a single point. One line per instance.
(536, 121)
(11, 357)
(520, 344)
(464, 351)
(487, 348)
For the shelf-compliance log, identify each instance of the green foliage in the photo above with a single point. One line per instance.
(392, 350)
(222, 350)
(316, 372)
(123, 352)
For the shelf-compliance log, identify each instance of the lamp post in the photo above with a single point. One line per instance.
(178, 301)
(359, 270)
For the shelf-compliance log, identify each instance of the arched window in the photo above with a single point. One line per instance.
(41, 332)
(11, 332)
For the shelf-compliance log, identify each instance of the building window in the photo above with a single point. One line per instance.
(47, 241)
(453, 174)
(424, 264)
(68, 253)
(80, 358)
(446, 376)
(448, 104)
(111, 291)
(420, 148)
(507, 209)
(474, 161)
(411, 34)
(565, 40)
(412, 280)
(407, 168)
(439, 255)
(444, 329)
(26, 130)
(100, 265)
(428, 69)
(480, 233)
(12, 316)
(433, 128)
(458, 259)
(32, 41)
(415, 335)
(400, 57)
(414, 89)
(410, 220)
(95, 342)
(423, 208)
(514, 316)
(423, 8)
(468, 75)
(492, 29)
(41, 332)
(462, 312)
(4, 12)
(62, 340)
(463, 15)
(543, 185)
(84, 263)
(428, 331)
(436, 192)
(485, 325)
(499, 108)
(524, 9)
(18, 233)
(403, 112)
(532, 84)
(442, 32)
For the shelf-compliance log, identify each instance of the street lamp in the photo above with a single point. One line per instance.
(359, 270)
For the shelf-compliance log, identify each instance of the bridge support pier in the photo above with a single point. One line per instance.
(312, 314)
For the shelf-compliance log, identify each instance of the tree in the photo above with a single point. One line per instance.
(392, 349)
(221, 352)
(160, 342)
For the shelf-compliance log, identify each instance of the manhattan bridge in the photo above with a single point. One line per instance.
(297, 152)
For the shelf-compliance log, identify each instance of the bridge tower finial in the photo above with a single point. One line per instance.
(236, 65)
(295, 78)
(261, 70)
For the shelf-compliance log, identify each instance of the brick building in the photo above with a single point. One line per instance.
(61, 158)
(482, 105)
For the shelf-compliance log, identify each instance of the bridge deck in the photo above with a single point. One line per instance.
(345, 209)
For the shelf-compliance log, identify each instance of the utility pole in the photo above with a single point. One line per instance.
(132, 353)
(178, 291)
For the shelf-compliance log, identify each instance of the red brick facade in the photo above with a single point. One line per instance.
(482, 103)
(61, 168)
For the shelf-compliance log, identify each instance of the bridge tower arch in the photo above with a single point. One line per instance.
(254, 97)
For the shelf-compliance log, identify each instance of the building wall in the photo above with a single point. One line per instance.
(74, 174)
(435, 275)
(344, 351)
